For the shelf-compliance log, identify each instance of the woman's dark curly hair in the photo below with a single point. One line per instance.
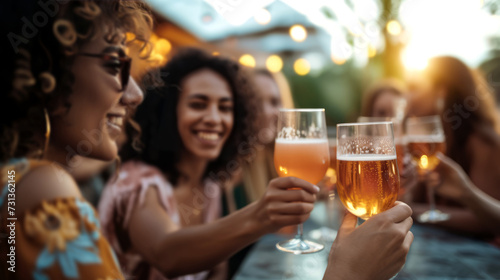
(157, 115)
(36, 65)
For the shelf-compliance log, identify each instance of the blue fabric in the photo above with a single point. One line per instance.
(82, 249)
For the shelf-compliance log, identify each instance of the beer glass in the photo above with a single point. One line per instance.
(367, 170)
(301, 150)
(425, 138)
(399, 139)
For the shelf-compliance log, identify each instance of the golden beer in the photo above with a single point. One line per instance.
(424, 152)
(368, 183)
(307, 159)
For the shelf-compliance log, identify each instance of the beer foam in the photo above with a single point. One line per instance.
(301, 141)
(366, 157)
(424, 139)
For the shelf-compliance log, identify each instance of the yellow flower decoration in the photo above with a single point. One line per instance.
(52, 225)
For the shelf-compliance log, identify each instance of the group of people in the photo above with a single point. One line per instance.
(182, 152)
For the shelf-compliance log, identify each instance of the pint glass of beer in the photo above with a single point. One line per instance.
(425, 138)
(301, 150)
(367, 169)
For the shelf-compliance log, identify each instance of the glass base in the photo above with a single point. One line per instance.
(433, 216)
(298, 246)
(325, 234)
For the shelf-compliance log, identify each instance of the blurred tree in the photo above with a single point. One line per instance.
(393, 67)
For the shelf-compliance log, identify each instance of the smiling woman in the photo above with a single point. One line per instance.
(202, 134)
(67, 95)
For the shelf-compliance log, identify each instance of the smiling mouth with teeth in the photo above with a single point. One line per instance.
(212, 136)
(115, 120)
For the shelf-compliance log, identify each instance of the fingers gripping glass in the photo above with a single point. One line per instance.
(123, 63)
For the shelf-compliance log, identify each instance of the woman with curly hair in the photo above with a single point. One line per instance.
(67, 88)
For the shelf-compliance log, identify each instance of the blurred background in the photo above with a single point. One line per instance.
(331, 50)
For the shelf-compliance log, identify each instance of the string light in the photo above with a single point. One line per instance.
(247, 60)
(298, 33)
(274, 63)
(302, 67)
(262, 16)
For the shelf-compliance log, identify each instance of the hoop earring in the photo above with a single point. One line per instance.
(47, 132)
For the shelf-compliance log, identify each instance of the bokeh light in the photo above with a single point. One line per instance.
(394, 27)
(263, 17)
(274, 63)
(247, 60)
(298, 33)
(302, 67)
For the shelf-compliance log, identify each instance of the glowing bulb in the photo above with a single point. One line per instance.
(394, 28)
(263, 17)
(302, 67)
(274, 63)
(247, 60)
(215, 53)
(298, 33)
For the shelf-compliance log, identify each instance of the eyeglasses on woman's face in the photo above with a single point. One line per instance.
(121, 63)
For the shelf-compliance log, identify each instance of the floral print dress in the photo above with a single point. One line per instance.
(58, 239)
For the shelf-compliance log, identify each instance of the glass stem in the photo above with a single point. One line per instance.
(432, 199)
(300, 229)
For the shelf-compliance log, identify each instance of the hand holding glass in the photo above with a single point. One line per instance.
(301, 150)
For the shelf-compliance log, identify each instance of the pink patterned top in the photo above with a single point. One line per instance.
(119, 198)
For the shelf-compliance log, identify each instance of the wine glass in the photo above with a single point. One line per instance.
(327, 193)
(425, 138)
(301, 150)
(368, 175)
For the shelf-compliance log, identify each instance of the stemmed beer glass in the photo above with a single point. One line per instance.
(425, 138)
(301, 151)
(368, 176)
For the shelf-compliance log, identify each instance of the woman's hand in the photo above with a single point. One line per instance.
(287, 201)
(376, 250)
(453, 180)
